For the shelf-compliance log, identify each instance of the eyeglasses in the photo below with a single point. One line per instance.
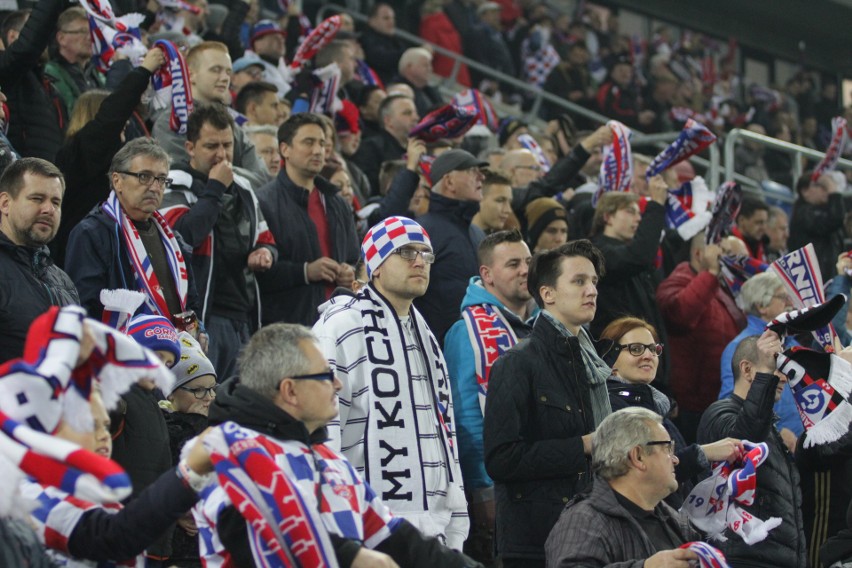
(324, 376)
(531, 168)
(670, 446)
(637, 349)
(148, 180)
(75, 32)
(201, 392)
(410, 254)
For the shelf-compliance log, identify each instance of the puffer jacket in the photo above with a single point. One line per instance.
(29, 284)
(537, 408)
(778, 493)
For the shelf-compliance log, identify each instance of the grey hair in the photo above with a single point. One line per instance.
(261, 129)
(775, 213)
(272, 354)
(619, 433)
(757, 292)
(138, 147)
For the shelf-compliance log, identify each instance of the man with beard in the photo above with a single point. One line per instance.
(31, 192)
(494, 314)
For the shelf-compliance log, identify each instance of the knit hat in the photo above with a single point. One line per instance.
(453, 160)
(509, 126)
(154, 332)
(387, 236)
(346, 120)
(265, 27)
(192, 363)
(540, 213)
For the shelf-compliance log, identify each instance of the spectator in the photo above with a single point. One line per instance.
(489, 43)
(748, 156)
(31, 192)
(398, 116)
(312, 226)
(70, 68)
(265, 140)
(629, 241)
(35, 128)
(522, 167)
(496, 205)
(570, 80)
(267, 41)
(246, 70)
(117, 242)
(415, 68)
(382, 49)
(748, 415)
(701, 319)
(96, 131)
(546, 396)
(508, 132)
(210, 75)
(260, 104)
(494, 311)
(218, 215)
(778, 231)
(341, 53)
(817, 218)
(547, 224)
(637, 353)
(617, 97)
(624, 519)
(751, 226)
(437, 28)
(456, 193)
(763, 298)
(284, 397)
(369, 100)
(411, 460)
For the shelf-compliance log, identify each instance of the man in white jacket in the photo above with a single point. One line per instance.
(396, 416)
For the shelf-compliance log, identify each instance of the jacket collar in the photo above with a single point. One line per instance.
(462, 211)
(547, 332)
(22, 253)
(300, 194)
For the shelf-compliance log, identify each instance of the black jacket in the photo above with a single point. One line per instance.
(372, 152)
(29, 284)
(454, 241)
(382, 53)
(778, 493)
(38, 118)
(537, 408)
(821, 225)
(97, 260)
(630, 285)
(285, 295)
(86, 156)
(240, 404)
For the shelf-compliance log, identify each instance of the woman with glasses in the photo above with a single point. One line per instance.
(186, 417)
(634, 359)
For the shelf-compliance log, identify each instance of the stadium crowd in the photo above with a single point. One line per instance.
(271, 297)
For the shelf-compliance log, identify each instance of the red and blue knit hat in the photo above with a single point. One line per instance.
(387, 236)
(156, 333)
(263, 28)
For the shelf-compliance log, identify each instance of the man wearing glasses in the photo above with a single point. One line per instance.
(124, 243)
(624, 518)
(396, 422)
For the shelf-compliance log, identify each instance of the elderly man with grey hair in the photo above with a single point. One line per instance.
(623, 520)
(763, 298)
(415, 69)
(114, 244)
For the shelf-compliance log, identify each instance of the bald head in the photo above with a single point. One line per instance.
(521, 167)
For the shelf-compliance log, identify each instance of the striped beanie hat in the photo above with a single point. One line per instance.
(387, 236)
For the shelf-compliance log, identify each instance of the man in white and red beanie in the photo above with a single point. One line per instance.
(404, 422)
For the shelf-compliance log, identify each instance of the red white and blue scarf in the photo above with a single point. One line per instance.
(715, 504)
(110, 34)
(320, 37)
(490, 336)
(171, 87)
(821, 384)
(617, 165)
(694, 138)
(449, 121)
(487, 114)
(324, 98)
(146, 279)
(832, 155)
(284, 530)
(528, 142)
(737, 269)
(708, 556)
(367, 75)
(729, 198)
(800, 274)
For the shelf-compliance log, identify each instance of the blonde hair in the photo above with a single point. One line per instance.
(85, 109)
(197, 51)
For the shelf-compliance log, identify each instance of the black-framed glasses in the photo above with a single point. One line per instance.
(148, 179)
(324, 376)
(531, 168)
(201, 392)
(410, 254)
(670, 445)
(637, 349)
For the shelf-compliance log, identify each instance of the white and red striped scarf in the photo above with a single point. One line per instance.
(490, 336)
(708, 556)
(530, 144)
(146, 279)
(320, 37)
(832, 155)
(285, 531)
(617, 164)
(715, 503)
